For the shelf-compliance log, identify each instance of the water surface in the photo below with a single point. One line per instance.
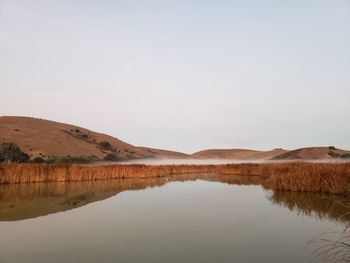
(184, 218)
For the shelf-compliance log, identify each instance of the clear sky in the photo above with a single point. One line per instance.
(183, 75)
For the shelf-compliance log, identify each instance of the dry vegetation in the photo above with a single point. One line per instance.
(329, 206)
(299, 176)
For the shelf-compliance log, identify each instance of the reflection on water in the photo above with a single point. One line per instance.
(22, 201)
(321, 206)
(182, 218)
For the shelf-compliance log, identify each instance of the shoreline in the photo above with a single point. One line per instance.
(290, 176)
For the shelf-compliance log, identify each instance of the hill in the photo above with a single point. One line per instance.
(54, 140)
(47, 139)
(165, 154)
(237, 154)
(314, 153)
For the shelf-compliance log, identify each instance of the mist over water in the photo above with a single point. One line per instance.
(152, 161)
(189, 161)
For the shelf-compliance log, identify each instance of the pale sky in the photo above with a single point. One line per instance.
(182, 75)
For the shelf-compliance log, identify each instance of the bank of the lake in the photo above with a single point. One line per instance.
(294, 176)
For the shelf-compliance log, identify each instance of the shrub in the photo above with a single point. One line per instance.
(38, 160)
(333, 154)
(2, 158)
(12, 153)
(73, 159)
(106, 145)
(110, 157)
(345, 155)
(70, 159)
(332, 148)
(338, 155)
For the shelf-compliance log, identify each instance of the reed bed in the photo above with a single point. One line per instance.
(299, 176)
(310, 177)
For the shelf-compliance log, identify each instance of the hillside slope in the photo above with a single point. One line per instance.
(38, 137)
(165, 154)
(49, 139)
(313, 153)
(237, 154)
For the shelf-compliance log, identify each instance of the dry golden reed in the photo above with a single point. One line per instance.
(298, 176)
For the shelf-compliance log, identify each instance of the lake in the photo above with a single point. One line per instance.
(182, 218)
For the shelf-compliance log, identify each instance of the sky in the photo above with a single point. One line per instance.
(182, 75)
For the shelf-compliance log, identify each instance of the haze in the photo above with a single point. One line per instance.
(182, 75)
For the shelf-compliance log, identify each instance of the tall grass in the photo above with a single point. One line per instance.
(310, 177)
(299, 176)
(30, 173)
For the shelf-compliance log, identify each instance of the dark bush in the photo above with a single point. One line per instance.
(2, 158)
(106, 145)
(333, 154)
(12, 153)
(345, 155)
(38, 160)
(332, 148)
(70, 159)
(338, 155)
(110, 157)
(51, 160)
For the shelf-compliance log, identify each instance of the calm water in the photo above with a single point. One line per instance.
(187, 218)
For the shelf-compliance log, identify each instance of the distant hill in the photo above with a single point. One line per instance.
(165, 154)
(237, 154)
(309, 153)
(313, 153)
(224, 154)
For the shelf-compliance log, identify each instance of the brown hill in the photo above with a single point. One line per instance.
(38, 137)
(237, 154)
(314, 153)
(165, 154)
(267, 154)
